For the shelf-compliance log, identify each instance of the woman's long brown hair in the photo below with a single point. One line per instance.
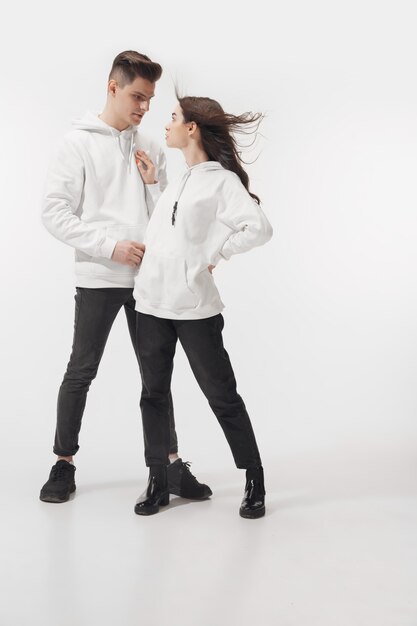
(217, 130)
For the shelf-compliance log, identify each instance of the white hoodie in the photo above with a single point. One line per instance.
(214, 218)
(95, 196)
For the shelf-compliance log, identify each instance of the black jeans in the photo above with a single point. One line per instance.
(95, 312)
(156, 340)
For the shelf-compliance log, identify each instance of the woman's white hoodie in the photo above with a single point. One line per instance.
(205, 216)
(94, 196)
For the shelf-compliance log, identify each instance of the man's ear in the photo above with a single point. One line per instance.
(112, 86)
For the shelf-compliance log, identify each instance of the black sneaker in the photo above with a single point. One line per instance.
(182, 483)
(60, 483)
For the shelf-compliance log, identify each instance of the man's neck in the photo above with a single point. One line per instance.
(109, 118)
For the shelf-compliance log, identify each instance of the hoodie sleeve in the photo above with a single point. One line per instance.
(63, 193)
(240, 212)
(153, 192)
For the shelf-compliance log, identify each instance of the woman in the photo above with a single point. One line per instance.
(207, 215)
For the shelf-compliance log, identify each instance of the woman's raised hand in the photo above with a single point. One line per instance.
(146, 167)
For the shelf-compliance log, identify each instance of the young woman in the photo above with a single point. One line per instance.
(207, 215)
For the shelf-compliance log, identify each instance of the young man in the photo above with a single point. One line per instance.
(96, 201)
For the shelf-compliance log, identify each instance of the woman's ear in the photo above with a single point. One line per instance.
(192, 128)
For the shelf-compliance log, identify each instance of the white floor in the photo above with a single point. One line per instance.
(336, 548)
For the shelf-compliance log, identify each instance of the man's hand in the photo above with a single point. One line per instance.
(211, 268)
(128, 253)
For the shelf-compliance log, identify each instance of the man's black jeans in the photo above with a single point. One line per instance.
(203, 344)
(95, 312)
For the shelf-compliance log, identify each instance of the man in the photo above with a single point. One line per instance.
(96, 201)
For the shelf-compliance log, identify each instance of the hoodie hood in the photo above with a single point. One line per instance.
(125, 139)
(91, 121)
(205, 166)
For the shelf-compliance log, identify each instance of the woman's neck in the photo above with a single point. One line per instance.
(194, 155)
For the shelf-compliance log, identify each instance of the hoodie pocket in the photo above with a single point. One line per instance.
(162, 282)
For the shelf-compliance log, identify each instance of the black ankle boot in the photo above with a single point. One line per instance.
(156, 493)
(253, 503)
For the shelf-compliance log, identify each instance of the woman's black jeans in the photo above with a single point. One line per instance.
(156, 340)
(95, 312)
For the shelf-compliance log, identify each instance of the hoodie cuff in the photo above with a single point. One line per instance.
(226, 252)
(215, 260)
(107, 247)
(154, 191)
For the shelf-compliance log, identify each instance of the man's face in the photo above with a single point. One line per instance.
(131, 102)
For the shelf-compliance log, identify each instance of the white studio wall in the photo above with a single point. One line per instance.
(320, 321)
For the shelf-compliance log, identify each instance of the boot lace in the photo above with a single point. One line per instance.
(186, 468)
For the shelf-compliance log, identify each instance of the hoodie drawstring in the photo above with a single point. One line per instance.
(116, 137)
(130, 153)
(180, 190)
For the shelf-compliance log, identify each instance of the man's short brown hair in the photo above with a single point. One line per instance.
(129, 65)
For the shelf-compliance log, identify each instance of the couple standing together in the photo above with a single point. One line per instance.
(151, 247)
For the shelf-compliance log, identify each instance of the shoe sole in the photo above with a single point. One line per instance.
(253, 514)
(56, 499)
(149, 511)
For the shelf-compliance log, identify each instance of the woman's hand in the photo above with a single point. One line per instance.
(146, 167)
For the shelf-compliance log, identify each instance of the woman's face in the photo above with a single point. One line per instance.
(177, 131)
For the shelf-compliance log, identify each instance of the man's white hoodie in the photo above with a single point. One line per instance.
(94, 196)
(203, 217)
